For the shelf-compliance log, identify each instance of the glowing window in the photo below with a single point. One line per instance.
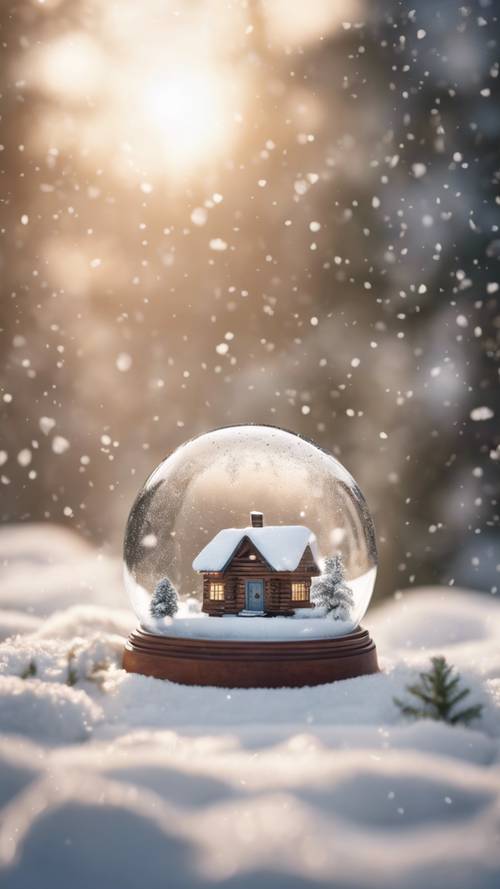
(300, 592)
(217, 592)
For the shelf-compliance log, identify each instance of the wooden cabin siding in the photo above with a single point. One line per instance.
(277, 584)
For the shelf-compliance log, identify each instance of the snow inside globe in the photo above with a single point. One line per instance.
(250, 533)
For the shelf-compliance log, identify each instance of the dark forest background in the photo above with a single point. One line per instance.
(271, 212)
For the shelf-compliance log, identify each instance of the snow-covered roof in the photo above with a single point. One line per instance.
(282, 546)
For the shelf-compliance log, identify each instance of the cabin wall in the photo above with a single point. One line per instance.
(248, 564)
(281, 597)
(217, 608)
(277, 591)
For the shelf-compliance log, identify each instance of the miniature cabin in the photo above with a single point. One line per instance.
(259, 570)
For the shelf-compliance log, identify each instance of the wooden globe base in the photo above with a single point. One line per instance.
(242, 664)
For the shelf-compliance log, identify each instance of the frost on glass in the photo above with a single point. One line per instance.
(213, 482)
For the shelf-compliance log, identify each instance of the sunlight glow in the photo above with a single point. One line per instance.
(164, 93)
(70, 67)
(148, 97)
(188, 109)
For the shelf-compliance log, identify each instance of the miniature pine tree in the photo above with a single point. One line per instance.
(343, 602)
(165, 600)
(335, 567)
(331, 590)
(438, 694)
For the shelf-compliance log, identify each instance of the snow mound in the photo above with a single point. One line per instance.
(435, 618)
(97, 834)
(46, 710)
(14, 622)
(21, 762)
(60, 660)
(82, 620)
(45, 568)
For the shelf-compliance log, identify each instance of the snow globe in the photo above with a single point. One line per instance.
(250, 560)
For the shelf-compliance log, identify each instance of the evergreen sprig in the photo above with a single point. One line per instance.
(438, 694)
(29, 671)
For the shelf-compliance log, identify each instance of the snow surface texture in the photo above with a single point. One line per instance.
(110, 779)
(282, 546)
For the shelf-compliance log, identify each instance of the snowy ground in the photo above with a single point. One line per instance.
(110, 780)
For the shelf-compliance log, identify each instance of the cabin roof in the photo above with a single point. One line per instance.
(281, 546)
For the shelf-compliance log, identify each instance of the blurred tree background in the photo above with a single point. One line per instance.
(218, 212)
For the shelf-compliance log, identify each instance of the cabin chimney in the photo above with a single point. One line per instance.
(257, 519)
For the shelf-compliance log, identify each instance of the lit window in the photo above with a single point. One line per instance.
(217, 592)
(300, 592)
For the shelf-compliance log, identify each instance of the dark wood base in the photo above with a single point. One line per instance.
(240, 664)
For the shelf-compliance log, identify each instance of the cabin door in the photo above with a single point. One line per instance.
(254, 595)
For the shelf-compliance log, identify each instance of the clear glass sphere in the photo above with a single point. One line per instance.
(214, 482)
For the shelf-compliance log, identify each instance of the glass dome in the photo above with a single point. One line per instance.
(251, 521)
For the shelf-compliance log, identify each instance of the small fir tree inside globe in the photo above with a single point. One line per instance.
(165, 601)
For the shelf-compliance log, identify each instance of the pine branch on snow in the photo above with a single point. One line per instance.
(438, 696)
(29, 671)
